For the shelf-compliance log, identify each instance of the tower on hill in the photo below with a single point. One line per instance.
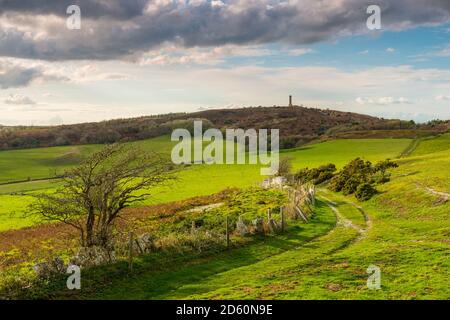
(290, 101)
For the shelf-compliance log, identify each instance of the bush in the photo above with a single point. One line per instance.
(351, 185)
(337, 183)
(315, 175)
(365, 191)
(359, 175)
(285, 167)
(382, 176)
(288, 143)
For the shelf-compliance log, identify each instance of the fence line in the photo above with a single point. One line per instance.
(298, 197)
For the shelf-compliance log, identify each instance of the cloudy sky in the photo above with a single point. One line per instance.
(141, 57)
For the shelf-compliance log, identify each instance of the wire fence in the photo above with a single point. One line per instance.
(300, 206)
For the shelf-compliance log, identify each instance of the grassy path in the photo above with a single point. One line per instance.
(283, 276)
(156, 277)
(410, 148)
(348, 223)
(271, 268)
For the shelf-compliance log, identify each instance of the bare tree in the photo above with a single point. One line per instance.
(95, 193)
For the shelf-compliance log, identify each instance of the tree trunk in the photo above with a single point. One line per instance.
(90, 239)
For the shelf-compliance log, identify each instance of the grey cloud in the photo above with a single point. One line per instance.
(120, 9)
(117, 29)
(15, 76)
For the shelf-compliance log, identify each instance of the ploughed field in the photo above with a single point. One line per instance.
(404, 229)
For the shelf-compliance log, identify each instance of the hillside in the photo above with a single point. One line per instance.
(297, 125)
(403, 230)
(39, 164)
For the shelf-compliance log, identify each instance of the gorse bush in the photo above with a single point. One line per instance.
(351, 176)
(315, 175)
(365, 191)
(381, 175)
(358, 177)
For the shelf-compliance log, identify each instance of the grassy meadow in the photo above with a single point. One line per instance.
(404, 230)
(194, 180)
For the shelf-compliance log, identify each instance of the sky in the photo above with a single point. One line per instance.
(142, 57)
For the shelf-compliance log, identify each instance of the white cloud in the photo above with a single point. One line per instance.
(18, 99)
(380, 89)
(173, 55)
(217, 4)
(381, 100)
(299, 52)
(443, 53)
(390, 50)
(442, 98)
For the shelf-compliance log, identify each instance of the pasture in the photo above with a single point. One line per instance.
(403, 230)
(193, 180)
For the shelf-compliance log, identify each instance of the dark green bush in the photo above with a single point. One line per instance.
(315, 175)
(365, 191)
(358, 176)
(351, 185)
(381, 175)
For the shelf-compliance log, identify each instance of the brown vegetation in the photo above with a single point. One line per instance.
(297, 125)
(47, 240)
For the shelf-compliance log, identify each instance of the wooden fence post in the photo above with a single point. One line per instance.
(130, 253)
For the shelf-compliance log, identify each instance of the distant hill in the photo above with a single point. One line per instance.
(298, 125)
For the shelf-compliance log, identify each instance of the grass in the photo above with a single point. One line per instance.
(42, 163)
(407, 237)
(159, 276)
(195, 180)
(12, 210)
(408, 240)
(340, 152)
(432, 145)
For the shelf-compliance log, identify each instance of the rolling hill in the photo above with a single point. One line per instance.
(403, 230)
(297, 125)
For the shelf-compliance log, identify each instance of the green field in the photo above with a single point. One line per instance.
(196, 180)
(406, 236)
(404, 230)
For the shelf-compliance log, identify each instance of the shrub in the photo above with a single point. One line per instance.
(365, 191)
(359, 175)
(337, 183)
(351, 185)
(382, 176)
(288, 142)
(315, 175)
(285, 167)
